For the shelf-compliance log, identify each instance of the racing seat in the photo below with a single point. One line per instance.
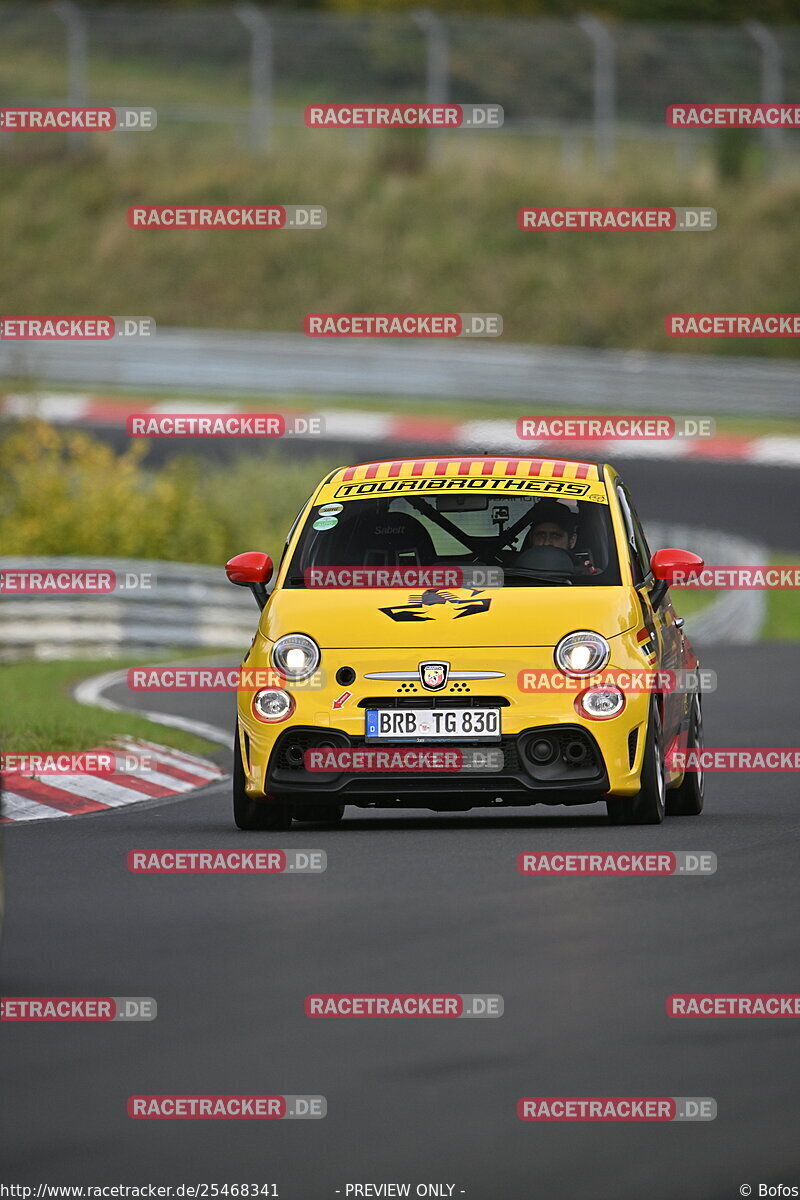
(382, 539)
(397, 540)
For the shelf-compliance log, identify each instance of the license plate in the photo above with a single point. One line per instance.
(433, 724)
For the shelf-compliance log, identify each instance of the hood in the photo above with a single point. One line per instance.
(509, 616)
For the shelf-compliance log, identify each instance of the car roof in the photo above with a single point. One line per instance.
(465, 464)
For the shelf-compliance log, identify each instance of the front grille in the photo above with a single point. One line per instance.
(436, 700)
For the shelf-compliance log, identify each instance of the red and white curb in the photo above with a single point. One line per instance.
(363, 426)
(173, 773)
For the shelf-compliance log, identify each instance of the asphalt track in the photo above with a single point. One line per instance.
(420, 902)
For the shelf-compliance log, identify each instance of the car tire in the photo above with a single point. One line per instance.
(647, 807)
(329, 814)
(687, 800)
(253, 814)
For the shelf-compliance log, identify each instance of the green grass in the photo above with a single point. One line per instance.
(688, 603)
(40, 714)
(400, 237)
(783, 607)
(783, 618)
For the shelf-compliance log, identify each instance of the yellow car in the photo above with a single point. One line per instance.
(448, 633)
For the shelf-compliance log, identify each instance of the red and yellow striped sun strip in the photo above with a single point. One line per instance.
(553, 476)
(428, 468)
(524, 477)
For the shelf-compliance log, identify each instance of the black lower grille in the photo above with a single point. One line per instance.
(553, 760)
(290, 749)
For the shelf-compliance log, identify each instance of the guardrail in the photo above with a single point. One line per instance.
(215, 361)
(190, 606)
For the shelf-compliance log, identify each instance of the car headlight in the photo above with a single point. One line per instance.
(273, 705)
(582, 653)
(600, 704)
(295, 656)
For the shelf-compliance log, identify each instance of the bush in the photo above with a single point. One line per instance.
(65, 492)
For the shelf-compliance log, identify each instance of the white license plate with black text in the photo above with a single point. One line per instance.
(432, 724)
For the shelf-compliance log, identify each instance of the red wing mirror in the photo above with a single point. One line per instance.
(672, 566)
(252, 568)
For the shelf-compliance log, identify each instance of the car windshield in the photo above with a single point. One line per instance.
(537, 542)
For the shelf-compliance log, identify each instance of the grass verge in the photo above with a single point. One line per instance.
(400, 238)
(40, 714)
(783, 608)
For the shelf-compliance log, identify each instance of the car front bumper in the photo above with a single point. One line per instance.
(611, 767)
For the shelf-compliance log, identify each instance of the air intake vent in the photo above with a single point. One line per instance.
(633, 741)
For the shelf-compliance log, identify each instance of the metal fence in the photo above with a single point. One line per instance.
(253, 69)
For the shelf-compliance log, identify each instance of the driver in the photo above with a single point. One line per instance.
(553, 524)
